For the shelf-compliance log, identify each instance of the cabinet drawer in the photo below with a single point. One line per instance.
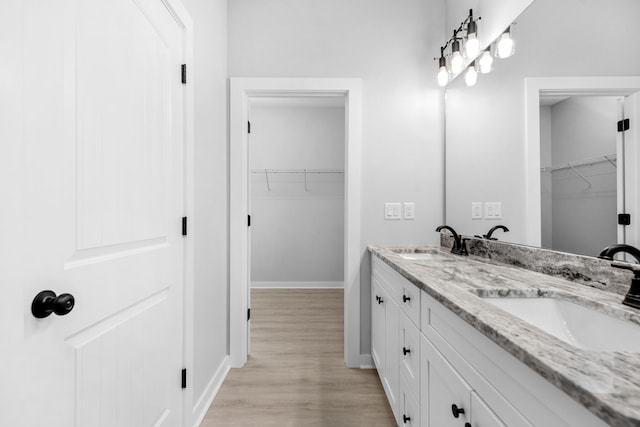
(409, 301)
(387, 277)
(408, 407)
(409, 353)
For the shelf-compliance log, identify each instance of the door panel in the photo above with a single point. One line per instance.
(103, 199)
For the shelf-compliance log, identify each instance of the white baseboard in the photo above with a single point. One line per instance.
(297, 285)
(211, 390)
(366, 362)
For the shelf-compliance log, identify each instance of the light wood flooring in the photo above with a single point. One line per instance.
(295, 375)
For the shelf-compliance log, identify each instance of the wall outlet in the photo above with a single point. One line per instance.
(409, 211)
(392, 211)
(493, 210)
(476, 210)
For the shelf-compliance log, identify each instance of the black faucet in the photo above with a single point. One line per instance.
(610, 251)
(459, 245)
(497, 227)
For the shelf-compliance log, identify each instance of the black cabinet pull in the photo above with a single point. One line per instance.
(380, 300)
(405, 298)
(467, 424)
(46, 302)
(405, 419)
(405, 350)
(456, 411)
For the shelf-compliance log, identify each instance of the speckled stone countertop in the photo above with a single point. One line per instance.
(606, 383)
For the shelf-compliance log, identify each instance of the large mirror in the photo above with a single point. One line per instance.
(506, 141)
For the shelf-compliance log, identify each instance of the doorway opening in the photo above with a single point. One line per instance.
(244, 92)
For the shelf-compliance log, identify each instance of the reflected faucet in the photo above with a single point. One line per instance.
(459, 245)
(608, 252)
(497, 227)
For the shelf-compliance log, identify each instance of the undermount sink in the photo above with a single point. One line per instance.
(423, 256)
(577, 325)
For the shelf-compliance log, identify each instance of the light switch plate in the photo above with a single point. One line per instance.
(476, 210)
(493, 210)
(409, 211)
(392, 211)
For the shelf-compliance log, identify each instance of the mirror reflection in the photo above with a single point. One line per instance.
(494, 154)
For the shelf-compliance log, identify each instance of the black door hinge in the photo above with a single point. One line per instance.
(184, 74)
(248, 127)
(623, 125)
(184, 378)
(248, 314)
(184, 225)
(624, 219)
(248, 220)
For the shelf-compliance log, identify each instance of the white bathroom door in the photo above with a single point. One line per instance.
(631, 139)
(101, 197)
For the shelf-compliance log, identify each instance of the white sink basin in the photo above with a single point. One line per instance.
(579, 326)
(424, 256)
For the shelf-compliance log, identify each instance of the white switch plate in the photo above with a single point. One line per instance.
(409, 211)
(476, 210)
(493, 210)
(392, 211)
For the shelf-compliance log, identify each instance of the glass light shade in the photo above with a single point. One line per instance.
(485, 62)
(505, 46)
(471, 76)
(443, 76)
(472, 46)
(457, 62)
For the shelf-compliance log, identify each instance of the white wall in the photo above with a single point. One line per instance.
(584, 217)
(207, 325)
(485, 124)
(390, 45)
(546, 183)
(297, 234)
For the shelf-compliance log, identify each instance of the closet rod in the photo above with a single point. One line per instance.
(611, 158)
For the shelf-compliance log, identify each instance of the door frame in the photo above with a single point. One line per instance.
(533, 87)
(241, 89)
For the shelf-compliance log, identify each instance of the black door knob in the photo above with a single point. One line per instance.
(467, 424)
(456, 411)
(405, 298)
(405, 350)
(46, 302)
(405, 419)
(380, 300)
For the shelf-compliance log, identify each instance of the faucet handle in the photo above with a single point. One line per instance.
(634, 268)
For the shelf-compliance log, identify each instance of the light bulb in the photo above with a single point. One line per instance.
(457, 61)
(505, 45)
(471, 76)
(472, 47)
(486, 62)
(443, 73)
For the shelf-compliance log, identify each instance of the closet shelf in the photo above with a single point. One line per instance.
(297, 170)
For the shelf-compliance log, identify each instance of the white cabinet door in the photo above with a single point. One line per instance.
(409, 352)
(482, 415)
(101, 180)
(447, 394)
(377, 326)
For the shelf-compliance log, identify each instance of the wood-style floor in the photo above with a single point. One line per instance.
(295, 375)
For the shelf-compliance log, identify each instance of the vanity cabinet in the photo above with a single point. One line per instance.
(429, 359)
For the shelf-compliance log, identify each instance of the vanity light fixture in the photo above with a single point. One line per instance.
(471, 76)
(505, 47)
(485, 63)
(465, 35)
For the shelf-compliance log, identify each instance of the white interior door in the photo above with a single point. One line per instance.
(101, 196)
(631, 138)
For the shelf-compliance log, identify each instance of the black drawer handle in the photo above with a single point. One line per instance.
(406, 419)
(380, 300)
(456, 411)
(405, 298)
(467, 424)
(405, 350)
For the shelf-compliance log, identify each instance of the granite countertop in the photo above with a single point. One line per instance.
(606, 383)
